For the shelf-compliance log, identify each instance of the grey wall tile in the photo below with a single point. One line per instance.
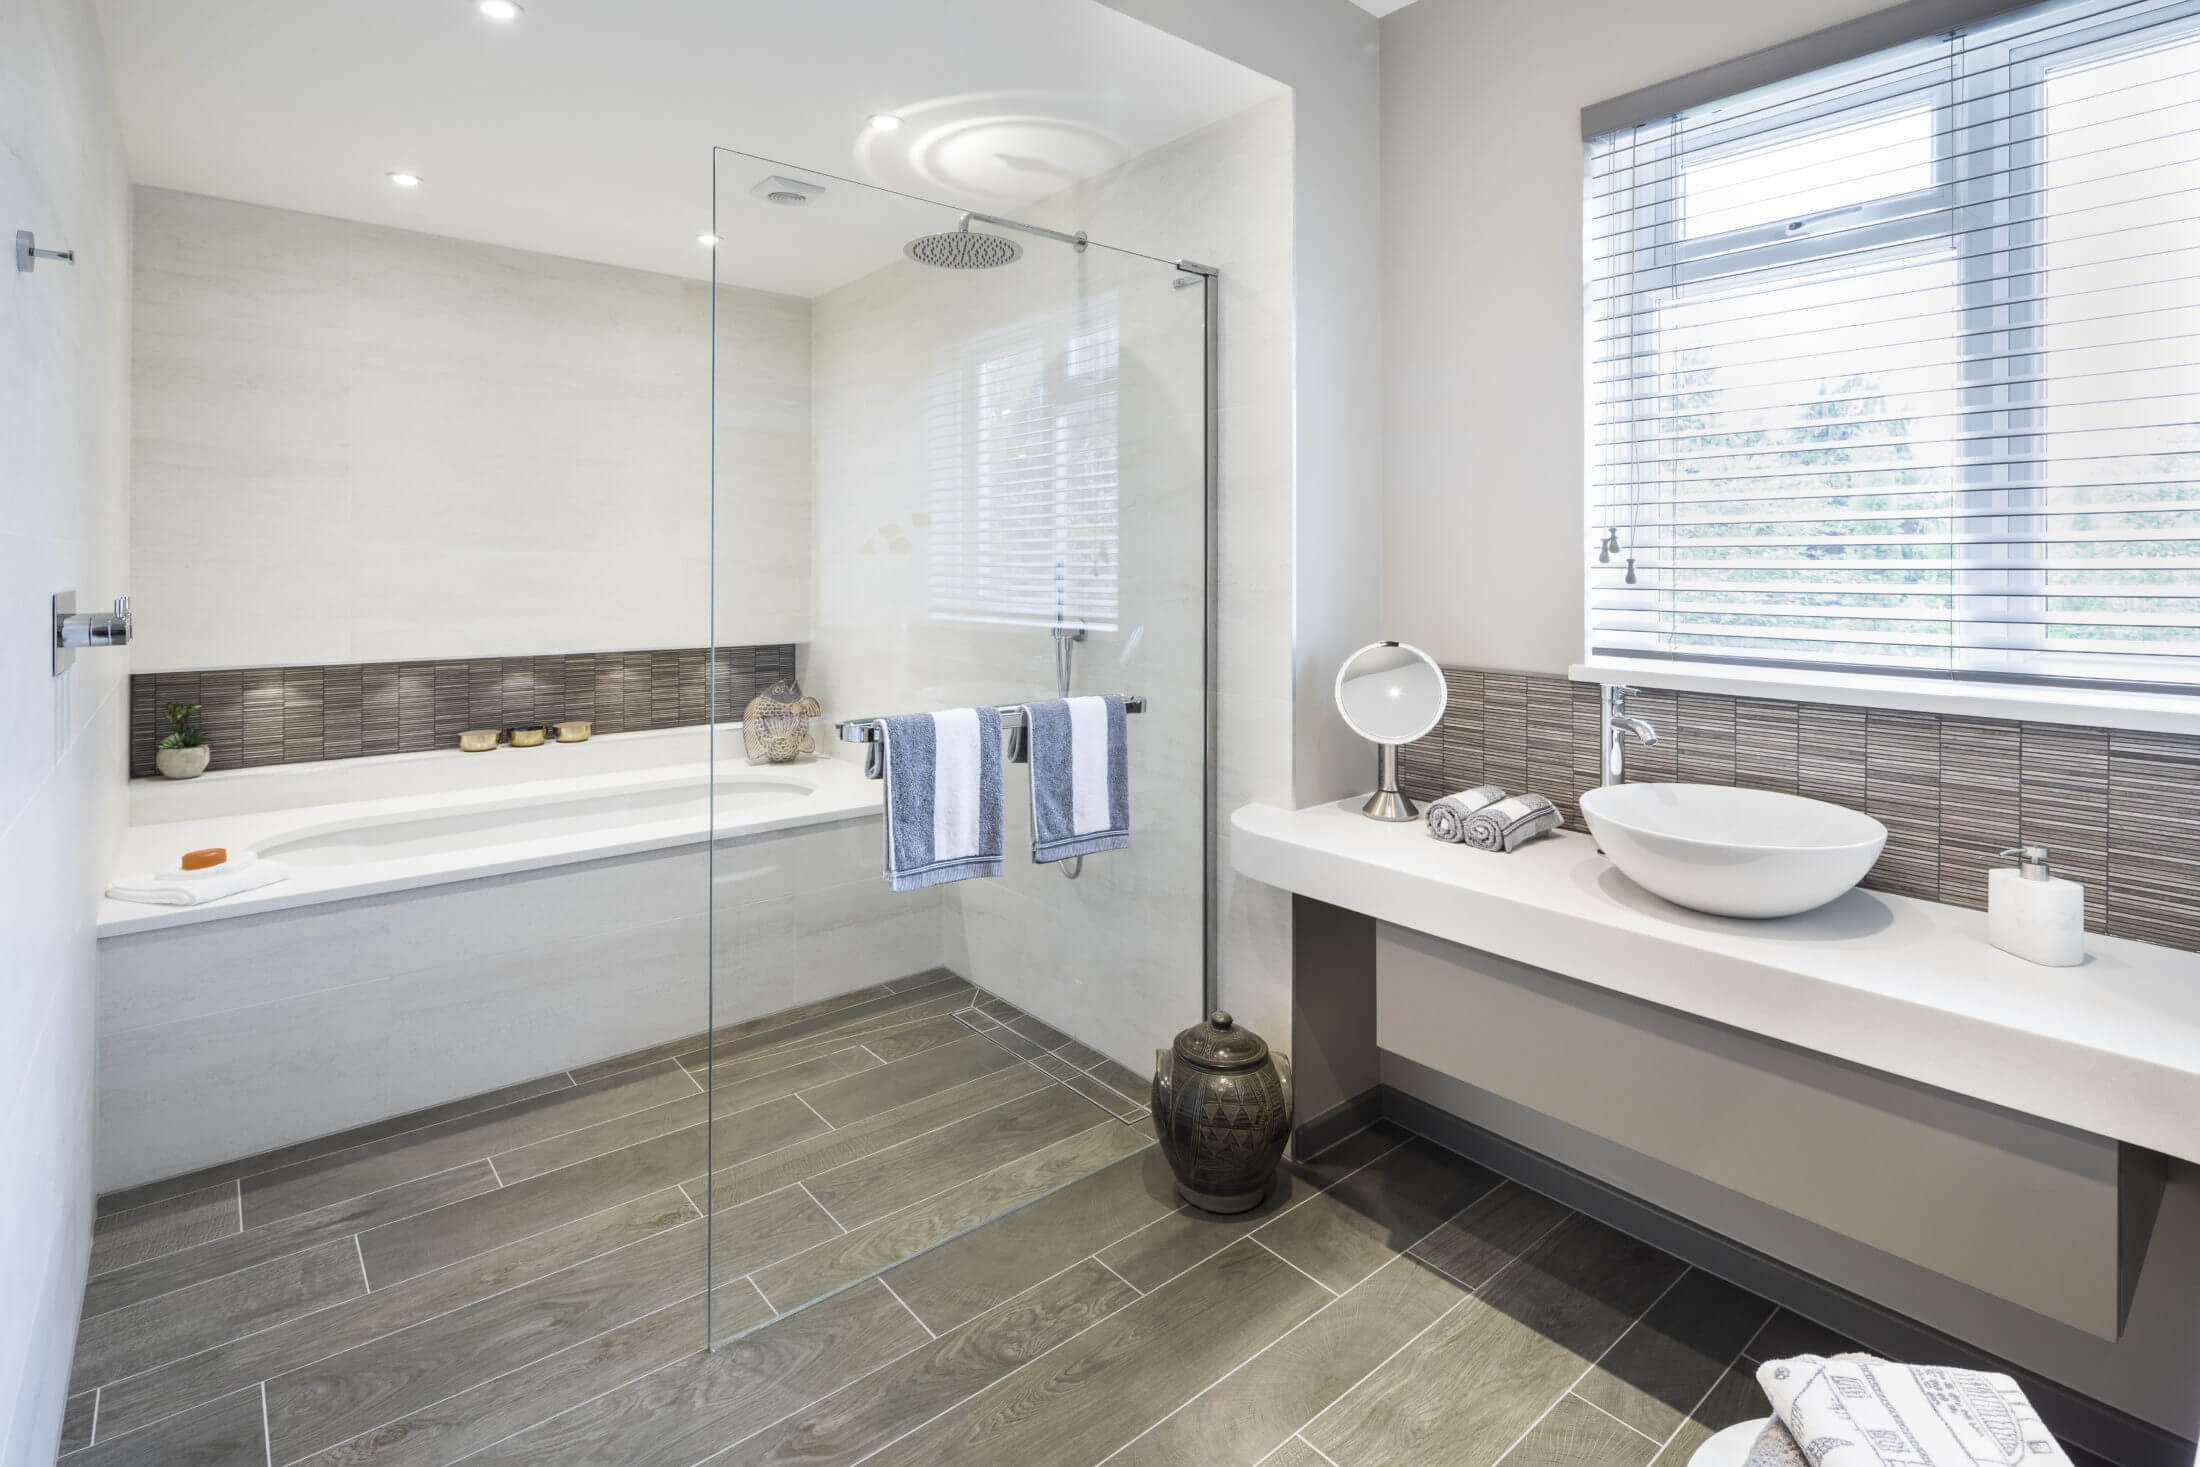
(289, 715)
(2120, 810)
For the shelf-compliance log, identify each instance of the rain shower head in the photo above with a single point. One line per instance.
(962, 248)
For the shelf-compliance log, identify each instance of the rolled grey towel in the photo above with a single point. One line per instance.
(1776, 1447)
(1510, 824)
(1447, 817)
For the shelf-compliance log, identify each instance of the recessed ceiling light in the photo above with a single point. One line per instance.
(884, 121)
(498, 9)
(404, 180)
(706, 240)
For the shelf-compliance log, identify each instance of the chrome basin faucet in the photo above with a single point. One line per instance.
(1618, 724)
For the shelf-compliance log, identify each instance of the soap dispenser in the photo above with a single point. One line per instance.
(2034, 913)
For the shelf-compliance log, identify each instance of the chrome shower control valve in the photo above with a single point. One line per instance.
(73, 629)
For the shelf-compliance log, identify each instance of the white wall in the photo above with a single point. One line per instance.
(1483, 530)
(64, 441)
(1302, 544)
(360, 444)
(1113, 957)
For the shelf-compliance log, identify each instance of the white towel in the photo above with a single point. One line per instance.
(196, 888)
(1872, 1413)
(1447, 817)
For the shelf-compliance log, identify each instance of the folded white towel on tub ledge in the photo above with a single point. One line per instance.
(240, 873)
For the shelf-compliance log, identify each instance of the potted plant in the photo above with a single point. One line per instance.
(183, 751)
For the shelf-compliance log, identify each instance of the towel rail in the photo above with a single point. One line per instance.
(866, 730)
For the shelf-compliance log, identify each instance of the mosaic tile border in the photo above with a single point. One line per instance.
(2119, 809)
(295, 715)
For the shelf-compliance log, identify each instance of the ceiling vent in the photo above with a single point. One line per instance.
(792, 192)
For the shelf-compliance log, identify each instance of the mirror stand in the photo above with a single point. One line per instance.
(1389, 802)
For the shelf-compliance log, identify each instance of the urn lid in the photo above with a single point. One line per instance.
(1219, 1044)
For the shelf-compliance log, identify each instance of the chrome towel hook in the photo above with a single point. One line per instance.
(28, 254)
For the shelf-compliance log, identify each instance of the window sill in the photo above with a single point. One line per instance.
(2153, 712)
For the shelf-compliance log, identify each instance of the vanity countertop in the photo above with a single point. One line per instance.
(1898, 984)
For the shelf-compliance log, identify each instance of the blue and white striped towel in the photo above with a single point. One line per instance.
(943, 795)
(1080, 777)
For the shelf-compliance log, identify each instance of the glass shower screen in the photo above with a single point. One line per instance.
(956, 463)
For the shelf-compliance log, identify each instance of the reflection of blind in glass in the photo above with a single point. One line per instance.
(1022, 472)
(1894, 366)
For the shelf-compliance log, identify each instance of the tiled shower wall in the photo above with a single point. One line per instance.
(2119, 810)
(291, 715)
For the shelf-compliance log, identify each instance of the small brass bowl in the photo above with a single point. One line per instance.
(527, 738)
(478, 740)
(573, 730)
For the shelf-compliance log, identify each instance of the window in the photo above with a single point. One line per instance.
(1895, 368)
(1022, 428)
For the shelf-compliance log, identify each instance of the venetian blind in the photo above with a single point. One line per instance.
(1023, 472)
(1895, 367)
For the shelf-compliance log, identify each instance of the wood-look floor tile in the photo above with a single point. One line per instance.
(1734, 1398)
(927, 1000)
(292, 1234)
(185, 1321)
(1084, 1056)
(1014, 1043)
(890, 1180)
(1114, 1102)
(699, 1043)
(402, 1250)
(1133, 1368)
(1353, 1228)
(886, 1087)
(284, 1156)
(413, 1154)
(684, 1412)
(918, 980)
(315, 1406)
(1577, 1434)
(131, 1403)
(1249, 1412)
(728, 1099)
(77, 1417)
(120, 1239)
(908, 1039)
(970, 1274)
(738, 1182)
(1295, 1453)
(1122, 1080)
(224, 1433)
(447, 1430)
(890, 1031)
(1788, 1334)
(890, 1240)
(1666, 1361)
(1489, 1233)
(1161, 1250)
(868, 1414)
(1463, 1392)
(998, 1008)
(1046, 1036)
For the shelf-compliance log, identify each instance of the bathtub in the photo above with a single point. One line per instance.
(454, 923)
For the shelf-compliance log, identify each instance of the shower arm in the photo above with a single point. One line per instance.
(1078, 239)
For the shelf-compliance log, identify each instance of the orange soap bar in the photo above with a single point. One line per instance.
(200, 860)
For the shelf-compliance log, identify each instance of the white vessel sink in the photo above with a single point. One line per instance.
(1733, 852)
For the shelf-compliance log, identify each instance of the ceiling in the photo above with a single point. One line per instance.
(586, 127)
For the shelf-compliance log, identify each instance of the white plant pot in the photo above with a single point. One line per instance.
(183, 763)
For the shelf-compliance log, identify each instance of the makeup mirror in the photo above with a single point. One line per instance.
(1390, 694)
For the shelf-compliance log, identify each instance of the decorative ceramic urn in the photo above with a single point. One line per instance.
(1222, 1108)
